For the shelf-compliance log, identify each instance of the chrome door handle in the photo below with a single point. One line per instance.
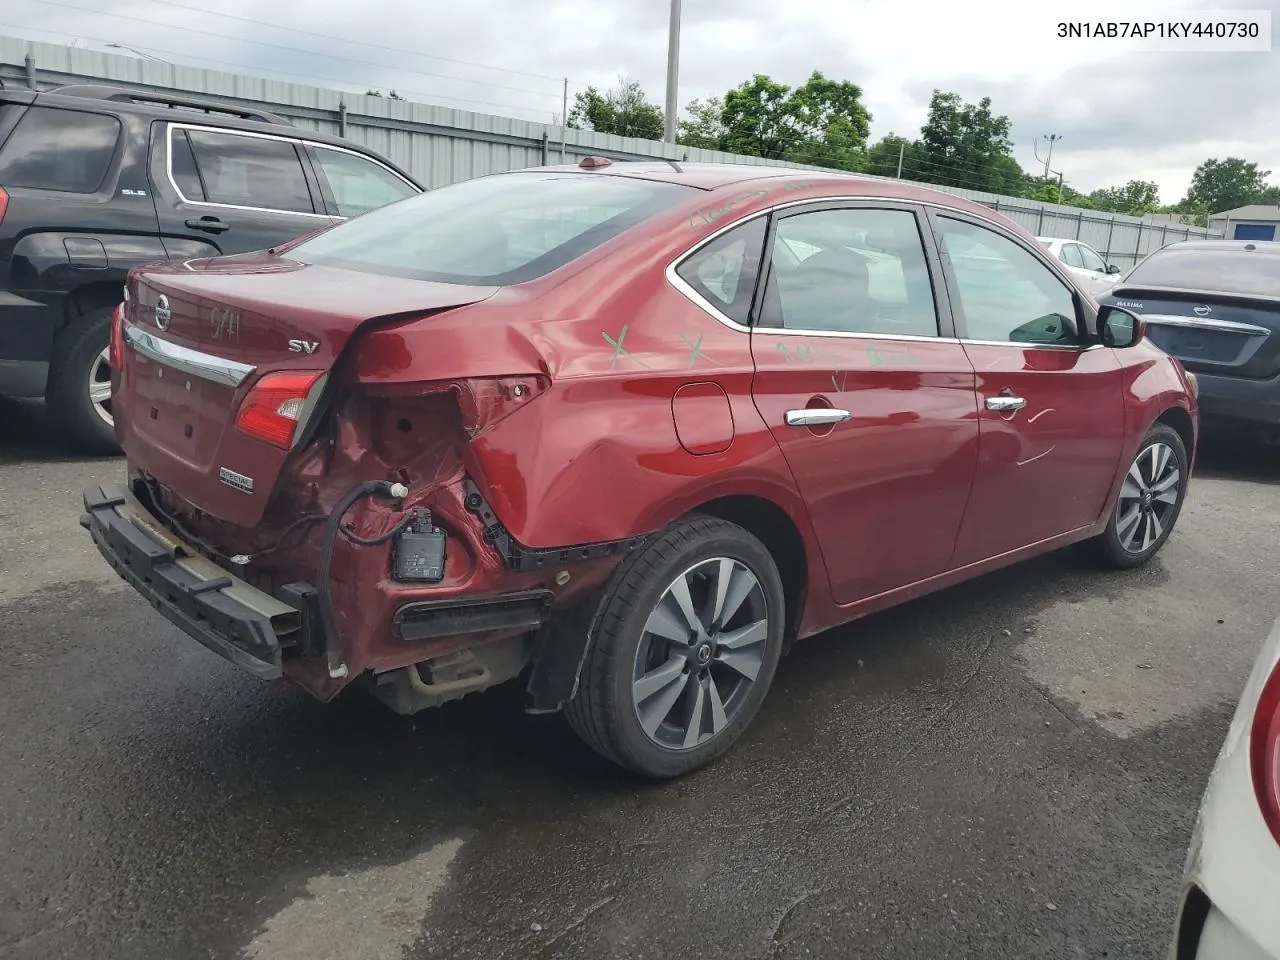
(1005, 403)
(815, 416)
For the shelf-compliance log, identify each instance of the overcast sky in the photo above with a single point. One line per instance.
(1122, 112)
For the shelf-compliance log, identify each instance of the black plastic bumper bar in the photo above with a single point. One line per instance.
(224, 613)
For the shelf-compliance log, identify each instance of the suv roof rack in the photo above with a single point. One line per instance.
(123, 95)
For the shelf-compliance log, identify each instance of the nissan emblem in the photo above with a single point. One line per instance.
(163, 312)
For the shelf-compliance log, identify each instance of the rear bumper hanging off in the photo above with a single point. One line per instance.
(232, 618)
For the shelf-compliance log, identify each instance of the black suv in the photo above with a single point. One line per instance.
(95, 180)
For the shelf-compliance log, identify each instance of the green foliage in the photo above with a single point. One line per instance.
(822, 122)
(1226, 184)
(622, 110)
(1135, 198)
(965, 145)
(704, 126)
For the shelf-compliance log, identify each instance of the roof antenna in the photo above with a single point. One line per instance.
(674, 166)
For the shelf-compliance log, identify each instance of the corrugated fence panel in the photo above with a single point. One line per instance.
(440, 145)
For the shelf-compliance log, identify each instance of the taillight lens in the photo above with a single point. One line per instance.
(276, 404)
(116, 352)
(4, 203)
(1264, 752)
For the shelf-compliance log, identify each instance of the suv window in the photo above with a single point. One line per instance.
(360, 185)
(1071, 255)
(724, 271)
(247, 171)
(1091, 260)
(850, 271)
(53, 149)
(1006, 294)
(501, 229)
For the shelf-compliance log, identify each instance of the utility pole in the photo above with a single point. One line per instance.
(1060, 192)
(1052, 138)
(902, 148)
(673, 71)
(564, 118)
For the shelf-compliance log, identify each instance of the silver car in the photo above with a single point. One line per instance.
(1230, 907)
(1083, 262)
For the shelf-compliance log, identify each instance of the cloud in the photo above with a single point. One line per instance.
(1123, 113)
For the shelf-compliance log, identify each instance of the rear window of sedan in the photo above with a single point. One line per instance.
(1249, 272)
(497, 230)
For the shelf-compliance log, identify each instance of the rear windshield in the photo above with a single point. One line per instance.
(1250, 272)
(495, 230)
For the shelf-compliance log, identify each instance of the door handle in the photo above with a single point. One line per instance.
(209, 225)
(1005, 403)
(815, 416)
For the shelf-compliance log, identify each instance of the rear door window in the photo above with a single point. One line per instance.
(65, 150)
(358, 184)
(1071, 255)
(248, 171)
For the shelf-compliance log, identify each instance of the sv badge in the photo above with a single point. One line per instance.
(303, 346)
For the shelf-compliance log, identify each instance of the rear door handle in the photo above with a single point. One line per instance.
(1005, 403)
(816, 416)
(209, 225)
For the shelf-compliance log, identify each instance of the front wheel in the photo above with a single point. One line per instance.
(1149, 503)
(684, 649)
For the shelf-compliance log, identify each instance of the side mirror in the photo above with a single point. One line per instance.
(1119, 328)
(1112, 268)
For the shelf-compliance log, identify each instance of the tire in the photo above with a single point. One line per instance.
(645, 659)
(79, 355)
(1115, 547)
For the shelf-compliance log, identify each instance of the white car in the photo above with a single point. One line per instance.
(1230, 907)
(1084, 263)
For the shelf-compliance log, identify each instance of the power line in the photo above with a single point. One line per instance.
(281, 46)
(310, 80)
(205, 12)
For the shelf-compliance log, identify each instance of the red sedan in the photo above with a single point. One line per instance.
(623, 430)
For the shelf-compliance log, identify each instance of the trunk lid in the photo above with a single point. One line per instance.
(201, 335)
(1210, 333)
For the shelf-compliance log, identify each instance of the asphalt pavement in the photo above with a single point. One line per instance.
(1009, 768)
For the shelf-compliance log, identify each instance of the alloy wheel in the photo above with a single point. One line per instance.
(1148, 498)
(701, 651)
(99, 386)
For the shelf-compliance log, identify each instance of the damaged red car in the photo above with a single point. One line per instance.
(623, 431)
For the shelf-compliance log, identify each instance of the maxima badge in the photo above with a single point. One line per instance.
(238, 480)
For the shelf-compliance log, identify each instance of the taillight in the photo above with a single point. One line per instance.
(1264, 752)
(116, 352)
(4, 203)
(276, 405)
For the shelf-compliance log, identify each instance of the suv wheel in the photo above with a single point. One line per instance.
(685, 646)
(79, 393)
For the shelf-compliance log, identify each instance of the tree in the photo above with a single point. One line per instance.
(962, 144)
(704, 126)
(822, 122)
(884, 155)
(622, 111)
(1135, 198)
(1226, 184)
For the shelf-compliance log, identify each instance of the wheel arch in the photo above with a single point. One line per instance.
(88, 297)
(772, 526)
(1180, 421)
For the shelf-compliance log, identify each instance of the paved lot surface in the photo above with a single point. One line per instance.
(1007, 769)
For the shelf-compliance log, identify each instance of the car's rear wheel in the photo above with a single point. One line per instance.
(79, 391)
(1149, 503)
(685, 646)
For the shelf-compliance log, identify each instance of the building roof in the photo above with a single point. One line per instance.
(1254, 211)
